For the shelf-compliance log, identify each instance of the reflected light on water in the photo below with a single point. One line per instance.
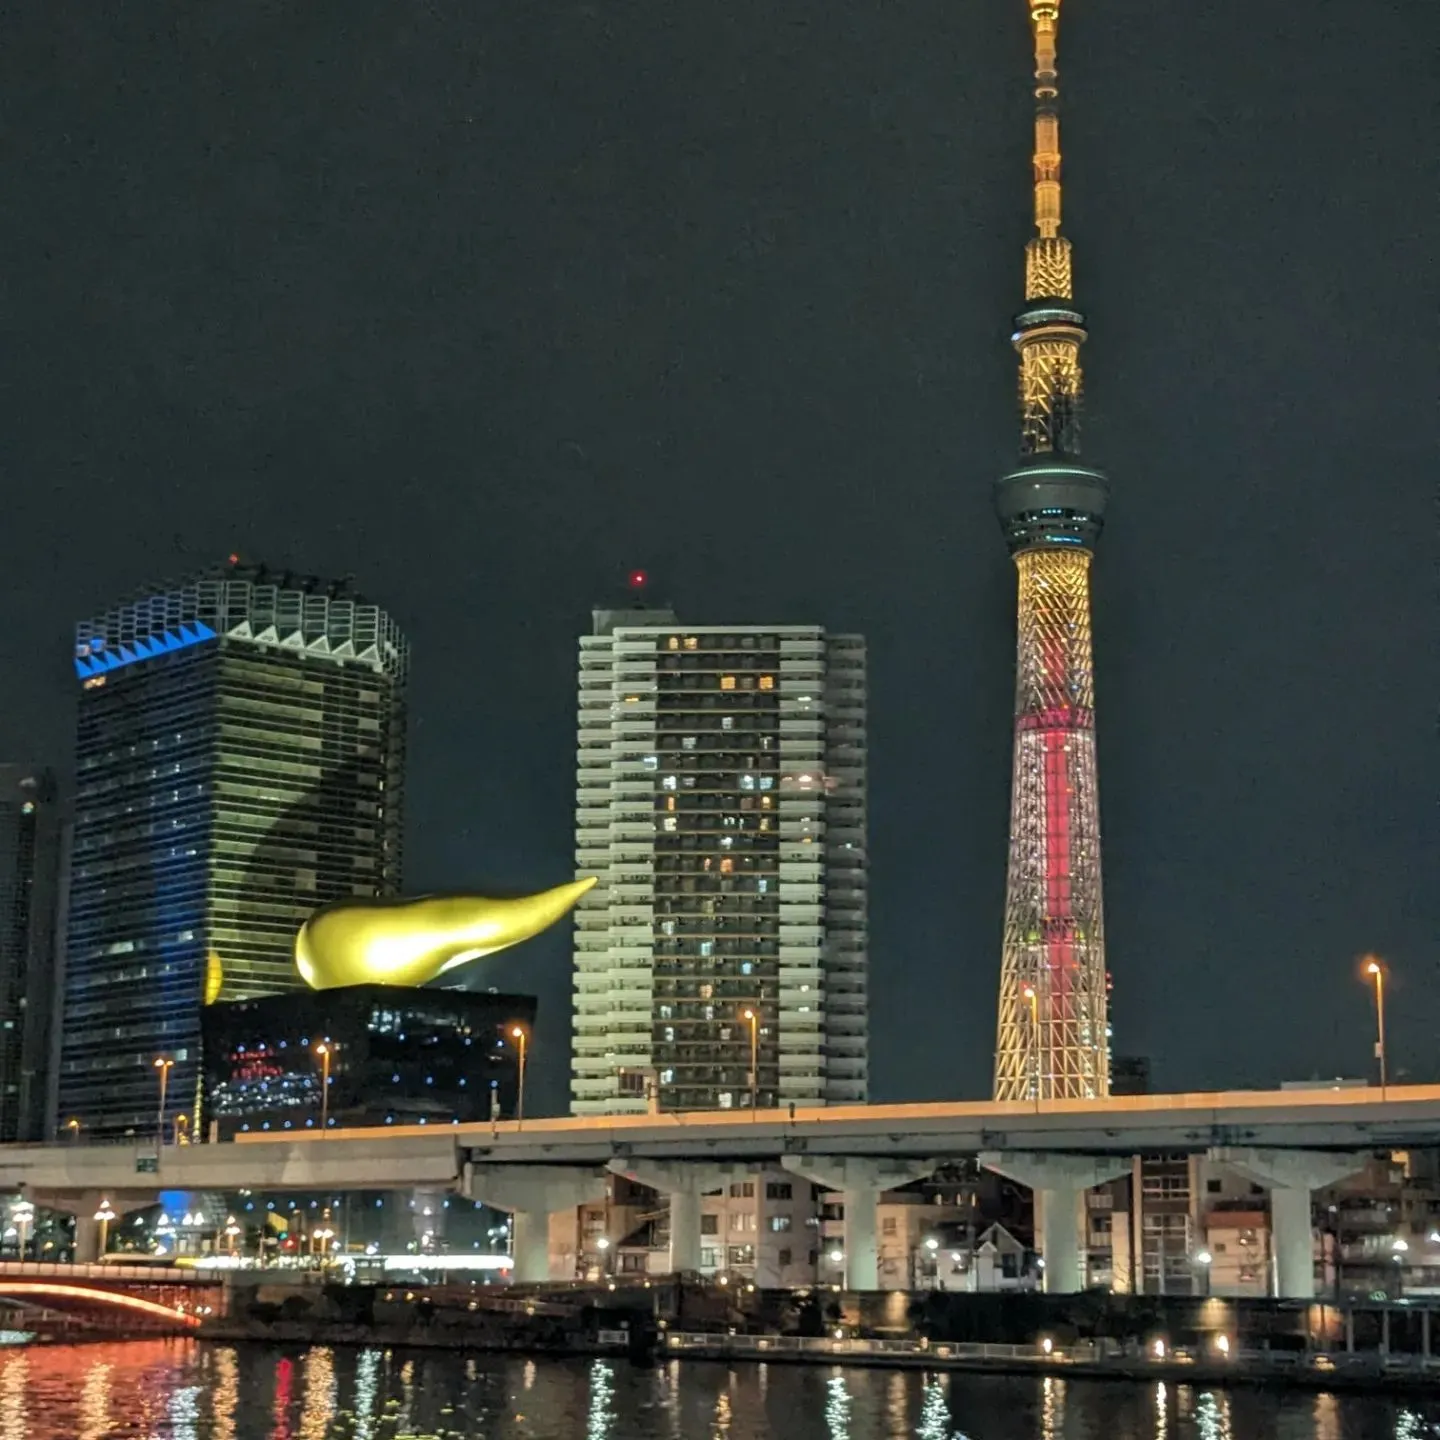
(602, 1397)
(226, 1393)
(1052, 1408)
(319, 1394)
(1162, 1411)
(527, 1375)
(95, 1403)
(934, 1413)
(1410, 1426)
(837, 1408)
(14, 1418)
(185, 1412)
(367, 1391)
(721, 1423)
(1212, 1416)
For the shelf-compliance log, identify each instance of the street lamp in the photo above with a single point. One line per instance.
(1376, 972)
(1204, 1259)
(163, 1068)
(324, 1050)
(73, 1126)
(232, 1232)
(517, 1034)
(752, 1019)
(182, 1129)
(24, 1217)
(104, 1215)
(1028, 993)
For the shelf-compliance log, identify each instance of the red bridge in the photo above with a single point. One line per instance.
(67, 1301)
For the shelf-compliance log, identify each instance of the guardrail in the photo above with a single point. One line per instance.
(153, 1274)
(1099, 1356)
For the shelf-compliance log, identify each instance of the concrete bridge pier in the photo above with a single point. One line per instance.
(861, 1183)
(83, 1207)
(1291, 1177)
(683, 1184)
(532, 1193)
(1059, 1183)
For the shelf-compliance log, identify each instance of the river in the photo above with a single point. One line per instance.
(160, 1390)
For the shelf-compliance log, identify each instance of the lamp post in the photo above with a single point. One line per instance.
(104, 1215)
(324, 1050)
(1028, 993)
(752, 1018)
(24, 1217)
(163, 1067)
(1204, 1259)
(232, 1232)
(73, 1126)
(182, 1129)
(517, 1034)
(1375, 971)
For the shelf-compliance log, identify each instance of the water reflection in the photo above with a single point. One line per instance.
(185, 1412)
(95, 1403)
(319, 1394)
(163, 1390)
(837, 1408)
(602, 1401)
(1052, 1407)
(367, 1391)
(1212, 1416)
(14, 1419)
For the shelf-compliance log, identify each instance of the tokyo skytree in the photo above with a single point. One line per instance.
(1052, 1041)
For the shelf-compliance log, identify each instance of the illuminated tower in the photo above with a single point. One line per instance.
(1052, 1040)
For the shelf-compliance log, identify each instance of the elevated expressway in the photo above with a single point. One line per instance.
(1293, 1141)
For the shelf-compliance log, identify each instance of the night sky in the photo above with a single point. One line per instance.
(487, 303)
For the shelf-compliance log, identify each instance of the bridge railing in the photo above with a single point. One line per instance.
(151, 1274)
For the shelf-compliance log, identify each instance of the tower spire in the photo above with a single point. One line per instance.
(1052, 1040)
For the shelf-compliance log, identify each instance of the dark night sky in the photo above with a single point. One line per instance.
(487, 302)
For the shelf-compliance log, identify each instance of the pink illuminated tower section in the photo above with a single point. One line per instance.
(1052, 1040)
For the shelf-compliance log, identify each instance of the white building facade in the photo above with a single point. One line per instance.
(721, 961)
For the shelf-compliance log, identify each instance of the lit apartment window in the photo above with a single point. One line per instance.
(727, 682)
(767, 682)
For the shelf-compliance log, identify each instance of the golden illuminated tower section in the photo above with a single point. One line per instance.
(1052, 1040)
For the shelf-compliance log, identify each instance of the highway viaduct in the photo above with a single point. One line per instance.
(1291, 1141)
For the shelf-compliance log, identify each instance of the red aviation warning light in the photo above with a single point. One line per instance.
(637, 580)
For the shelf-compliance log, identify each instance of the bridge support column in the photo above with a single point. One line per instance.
(427, 1217)
(1291, 1176)
(1059, 1183)
(861, 1183)
(532, 1193)
(683, 1184)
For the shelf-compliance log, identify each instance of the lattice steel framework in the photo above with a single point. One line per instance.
(1053, 1034)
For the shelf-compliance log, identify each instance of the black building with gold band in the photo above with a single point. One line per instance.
(363, 1055)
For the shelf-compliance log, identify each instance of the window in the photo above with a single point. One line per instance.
(1212, 1187)
(778, 1189)
(889, 1225)
(727, 682)
(742, 1190)
(779, 1223)
(709, 1224)
(742, 1254)
(767, 682)
(783, 1257)
(737, 1221)
(709, 1257)
(691, 643)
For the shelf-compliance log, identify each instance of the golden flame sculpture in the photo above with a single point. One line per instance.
(410, 942)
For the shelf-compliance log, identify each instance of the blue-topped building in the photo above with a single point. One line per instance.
(239, 762)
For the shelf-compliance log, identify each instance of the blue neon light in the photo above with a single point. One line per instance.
(194, 633)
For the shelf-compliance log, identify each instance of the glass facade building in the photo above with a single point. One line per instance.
(397, 1056)
(239, 763)
(30, 838)
(721, 961)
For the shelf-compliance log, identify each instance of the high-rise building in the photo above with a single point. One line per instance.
(29, 871)
(721, 960)
(239, 762)
(1053, 1034)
